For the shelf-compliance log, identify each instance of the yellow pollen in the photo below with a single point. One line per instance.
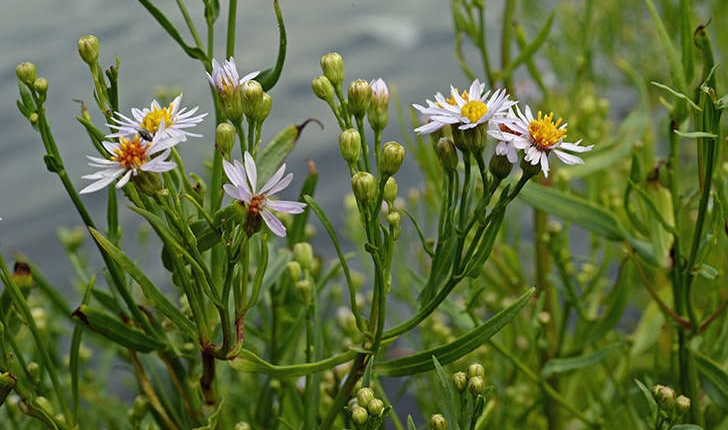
(131, 153)
(451, 100)
(545, 132)
(474, 110)
(153, 119)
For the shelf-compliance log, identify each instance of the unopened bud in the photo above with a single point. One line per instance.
(360, 96)
(88, 48)
(499, 166)
(140, 407)
(303, 288)
(71, 239)
(476, 385)
(447, 154)
(530, 170)
(350, 146)
(475, 369)
(364, 185)
(391, 158)
(393, 219)
(242, 425)
(147, 183)
(40, 85)
(364, 396)
(266, 102)
(390, 190)
(225, 137)
(682, 405)
(664, 396)
(44, 404)
(323, 88)
(26, 73)
(460, 381)
(7, 383)
(252, 93)
(303, 253)
(293, 270)
(359, 415)
(33, 118)
(375, 407)
(378, 108)
(333, 67)
(21, 275)
(438, 422)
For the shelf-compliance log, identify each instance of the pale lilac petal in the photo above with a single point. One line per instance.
(568, 158)
(249, 76)
(238, 193)
(235, 173)
(286, 206)
(275, 184)
(575, 147)
(95, 186)
(251, 171)
(275, 225)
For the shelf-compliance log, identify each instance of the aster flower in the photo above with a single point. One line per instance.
(173, 119)
(129, 157)
(225, 78)
(538, 137)
(504, 145)
(469, 109)
(244, 177)
(379, 90)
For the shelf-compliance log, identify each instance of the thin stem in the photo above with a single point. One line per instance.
(190, 24)
(148, 389)
(232, 20)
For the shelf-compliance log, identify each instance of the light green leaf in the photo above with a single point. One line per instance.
(116, 331)
(651, 404)
(248, 361)
(714, 380)
(696, 134)
(562, 365)
(446, 387)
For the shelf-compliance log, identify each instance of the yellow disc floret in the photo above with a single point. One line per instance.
(154, 118)
(474, 110)
(451, 100)
(545, 132)
(131, 153)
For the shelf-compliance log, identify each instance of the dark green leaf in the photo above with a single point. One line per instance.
(714, 380)
(561, 365)
(446, 387)
(269, 77)
(651, 404)
(116, 331)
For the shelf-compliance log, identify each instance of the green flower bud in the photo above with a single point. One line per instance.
(303, 253)
(682, 405)
(88, 48)
(530, 170)
(40, 317)
(7, 383)
(140, 407)
(266, 102)
(25, 73)
(378, 108)
(360, 96)
(350, 146)
(225, 137)
(364, 396)
(391, 158)
(40, 85)
(72, 239)
(359, 415)
(242, 425)
(665, 397)
(447, 154)
(21, 275)
(476, 385)
(147, 183)
(303, 288)
(438, 422)
(364, 185)
(390, 190)
(231, 100)
(293, 270)
(375, 407)
(33, 118)
(499, 166)
(323, 88)
(333, 67)
(252, 93)
(393, 219)
(460, 381)
(475, 369)
(44, 404)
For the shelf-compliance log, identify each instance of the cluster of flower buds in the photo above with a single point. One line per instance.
(671, 406)
(367, 411)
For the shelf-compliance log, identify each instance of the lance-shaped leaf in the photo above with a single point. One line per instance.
(116, 331)
(248, 361)
(561, 365)
(714, 380)
(269, 77)
(272, 156)
(446, 387)
(456, 349)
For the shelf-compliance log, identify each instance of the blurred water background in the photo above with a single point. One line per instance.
(408, 43)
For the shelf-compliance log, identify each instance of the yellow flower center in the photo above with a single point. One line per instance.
(451, 100)
(474, 110)
(153, 119)
(131, 153)
(545, 132)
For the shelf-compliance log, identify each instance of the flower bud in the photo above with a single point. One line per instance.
(350, 146)
(360, 96)
(323, 88)
(530, 170)
(21, 275)
(393, 219)
(7, 383)
(303, 253)
(378, 108)
(147, 183)
(460, 381)
(293, 270)
(364, 186)
(303, 288)
(333, 67)
(390, 191)
(499, 166)
(375, 407)
(252, 93)
(447, 154)
(44, 404)
(476, 385)
(359, 415)
(242, 425)
(475, 369)
(140, 407)
(25, 73)
(72, 239)
(40, 317)
(225, 137)
(33, 118)
(88, 48)
(664, 396)
(266, 102)
(438, 422)
(391, 158)
(364, 396)
(40, 85)
(682, 405)
(231, 101)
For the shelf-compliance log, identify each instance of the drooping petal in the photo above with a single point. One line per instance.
(275, 225)
(238, 193)
(101, 183)
(124, 179)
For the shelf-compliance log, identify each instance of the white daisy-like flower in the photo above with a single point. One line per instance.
(504, 145)
(538, 137)
(129, 157)
(469, 109)
(173, 120)
(244, 179)
(225, 77)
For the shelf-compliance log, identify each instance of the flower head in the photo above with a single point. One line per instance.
(129, 157)
(172, 120)
(504, 145)
(469, 109)
(539, 136)
(244, 177)
(225, 78)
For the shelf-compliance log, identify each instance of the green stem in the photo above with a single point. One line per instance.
(190, 24)
(232, 20)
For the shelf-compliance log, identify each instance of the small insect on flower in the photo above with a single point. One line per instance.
(244, 177)
(172, 121)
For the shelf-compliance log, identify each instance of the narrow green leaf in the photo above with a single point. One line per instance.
(411, 423)
(269, 77)
(651, 404)
(248, 361)
(574, 210)
(272, 156)
(614, 305)
(673, 59)
(562, 365)
(714, 380)
(167, 25)
(446, 387)
(531, 49)
(696, 134)
(422, 362)
(151, 293)
(686, 427)
(677, 94)
(116, 331)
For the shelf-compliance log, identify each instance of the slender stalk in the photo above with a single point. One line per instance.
(190, 24)
(146, 386)
(232, 20)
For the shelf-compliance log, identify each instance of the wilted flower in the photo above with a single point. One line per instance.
(129, 157)
(469, 109)
(243, 188)
(172, 120)
(538, 137)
